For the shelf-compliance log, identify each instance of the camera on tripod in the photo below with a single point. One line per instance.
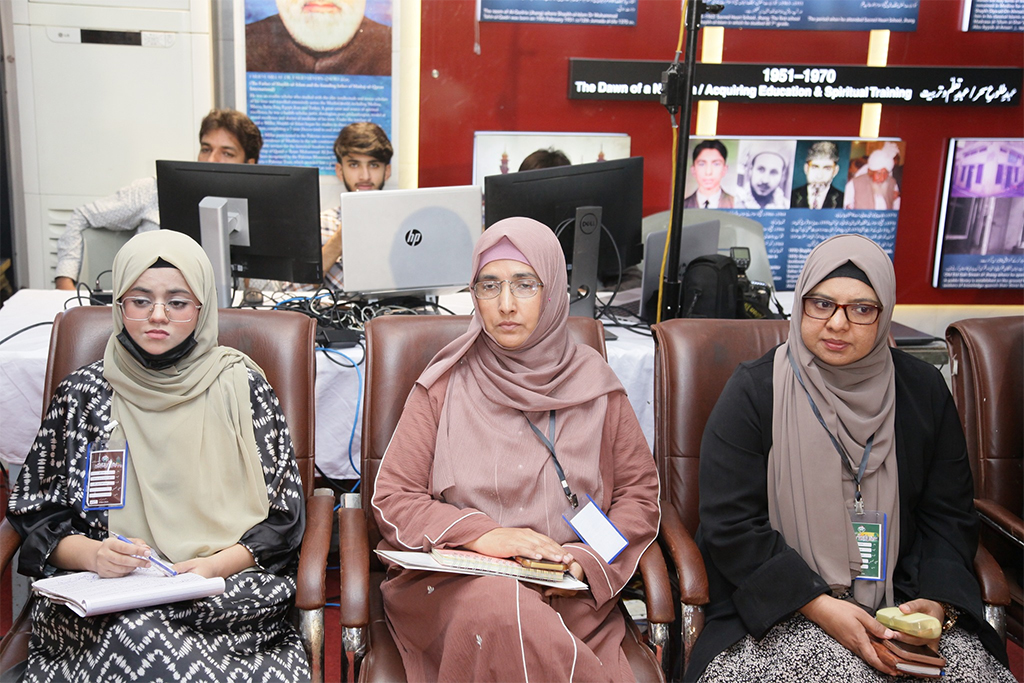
(754, 295)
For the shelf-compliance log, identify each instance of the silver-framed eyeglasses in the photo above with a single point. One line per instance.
(521, 288)
(138, 308)
(856, 313)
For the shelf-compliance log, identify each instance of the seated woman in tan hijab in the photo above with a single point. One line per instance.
(211, 485)
(468, 467)
(834, 481)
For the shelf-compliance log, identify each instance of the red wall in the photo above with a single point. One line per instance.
(520, 82)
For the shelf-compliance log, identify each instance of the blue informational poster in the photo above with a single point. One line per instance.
(313, 68)
(993, 15)
(593, 12)
(801, 190)
(818, 15)
(980, 243)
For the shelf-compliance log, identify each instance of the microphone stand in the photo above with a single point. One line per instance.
(677, 95)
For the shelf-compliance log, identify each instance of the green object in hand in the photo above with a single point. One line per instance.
(914, 624)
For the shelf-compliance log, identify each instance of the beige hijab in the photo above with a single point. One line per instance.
(490, 385)
(194, 477)
(810, 491)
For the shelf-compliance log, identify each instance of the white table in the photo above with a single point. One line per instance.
(338, 389)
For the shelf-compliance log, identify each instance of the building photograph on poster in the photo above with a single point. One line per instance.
(309, 74)
(802, 190)
(981, 225)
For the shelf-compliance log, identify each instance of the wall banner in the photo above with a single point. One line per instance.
(993, 15)
(592, 12)
(801, 190)
(980, 241)
(310, 74)
(596, 79)
(818, 15)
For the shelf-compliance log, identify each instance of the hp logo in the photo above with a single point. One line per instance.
(413, 237)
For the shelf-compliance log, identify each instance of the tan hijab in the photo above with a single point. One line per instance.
(194, 478)
(490, 385)
(810, 491)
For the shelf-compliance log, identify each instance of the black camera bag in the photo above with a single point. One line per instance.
(711, 289)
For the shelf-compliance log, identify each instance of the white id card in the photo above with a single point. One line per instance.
(596, 530)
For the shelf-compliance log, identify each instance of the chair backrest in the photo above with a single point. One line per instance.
(281, 342)
(693, 359)
(987, 372)
(398, 348)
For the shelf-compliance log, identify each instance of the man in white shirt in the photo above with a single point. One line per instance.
(874, 188)
(708, 169)
(766, 177)
(364, 156)
(225, 136)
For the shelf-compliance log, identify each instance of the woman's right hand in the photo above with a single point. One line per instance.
(851, 626)
(115, 558)
(510, 542)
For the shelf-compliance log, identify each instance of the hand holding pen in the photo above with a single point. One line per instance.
(151, 557)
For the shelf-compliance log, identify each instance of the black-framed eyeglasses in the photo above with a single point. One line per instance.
(139, 308)
(856, 313)
(521, 288)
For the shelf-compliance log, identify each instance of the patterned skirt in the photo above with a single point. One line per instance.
(241, 635)
(799, 650)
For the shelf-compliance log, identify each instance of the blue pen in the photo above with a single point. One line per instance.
(169, 571)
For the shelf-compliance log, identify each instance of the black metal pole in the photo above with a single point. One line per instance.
(672, 286)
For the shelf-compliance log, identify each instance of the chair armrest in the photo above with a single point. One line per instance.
(1001, 519)
(676, 540)
(10, 541)
(355, 567)
(657, 587)
(994, 589)
(316, 543)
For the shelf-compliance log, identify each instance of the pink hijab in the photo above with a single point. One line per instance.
(547, 372)
(484, 446)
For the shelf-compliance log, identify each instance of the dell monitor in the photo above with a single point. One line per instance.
(553, 195)
(269, 214)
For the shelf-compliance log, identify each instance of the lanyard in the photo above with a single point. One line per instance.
(859, 474)
(549, 442)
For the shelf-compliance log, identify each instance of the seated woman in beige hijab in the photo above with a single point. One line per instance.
(808, 447)
(211, 485)
(468, 467)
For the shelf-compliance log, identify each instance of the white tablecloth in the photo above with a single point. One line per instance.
(338, 389)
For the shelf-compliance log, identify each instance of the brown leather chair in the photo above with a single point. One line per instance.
(693, 361)
(987, 369)
(397, 350)
(282, 344)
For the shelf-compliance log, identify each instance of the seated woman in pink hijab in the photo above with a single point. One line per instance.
(468, 468)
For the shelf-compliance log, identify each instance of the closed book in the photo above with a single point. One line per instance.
(490, 566)
(916, 660)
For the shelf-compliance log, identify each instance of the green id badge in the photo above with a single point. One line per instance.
(869, 531)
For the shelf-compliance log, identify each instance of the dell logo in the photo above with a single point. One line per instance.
(588, 223)
(413, 237)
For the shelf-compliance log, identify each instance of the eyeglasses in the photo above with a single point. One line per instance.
(139, 308)
(858, 314)
(523, 288)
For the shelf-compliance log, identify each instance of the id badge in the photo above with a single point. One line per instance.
(596, 530)
(869, 530)
(105, 476)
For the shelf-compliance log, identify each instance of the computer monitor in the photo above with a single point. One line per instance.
(277, 207)
(552, 195)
